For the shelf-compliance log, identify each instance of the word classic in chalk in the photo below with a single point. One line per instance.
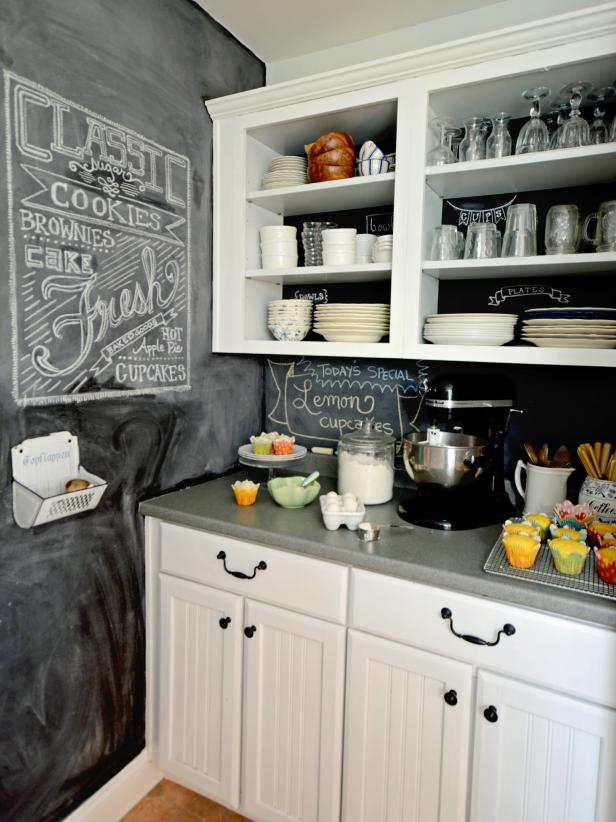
(319, 401)
(99, 231)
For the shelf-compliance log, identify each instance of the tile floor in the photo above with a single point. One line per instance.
(168, 802)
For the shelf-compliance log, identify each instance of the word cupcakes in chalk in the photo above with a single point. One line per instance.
(49, 482)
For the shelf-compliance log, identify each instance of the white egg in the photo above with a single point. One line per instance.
(332, 496)
(350, 505)
(333, 508)
(348, 495)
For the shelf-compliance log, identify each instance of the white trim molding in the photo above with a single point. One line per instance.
(597, 21)
(120, 794)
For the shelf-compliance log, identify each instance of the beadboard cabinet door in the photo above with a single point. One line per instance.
(407, 738)
(200, 694)
(543, 756)
(293, 716)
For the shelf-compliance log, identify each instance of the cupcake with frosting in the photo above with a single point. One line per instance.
(565, 532)
(261, 444)
(283, 445)
(600, 531)
(542, 521)
(245, 491)
(521, 549)
(568, 555)
(520, 526)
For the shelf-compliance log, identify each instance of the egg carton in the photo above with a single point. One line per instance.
(334, 519)
(41, 468)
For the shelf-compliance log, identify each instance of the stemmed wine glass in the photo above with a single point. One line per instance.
(563, 112)
(499, 142)
(575, 130)
(442, 154)
(599, 130)
(534, 134)
(473, 144)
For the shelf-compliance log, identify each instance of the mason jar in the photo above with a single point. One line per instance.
(366, 464)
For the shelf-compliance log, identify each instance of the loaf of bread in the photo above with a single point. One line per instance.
(331, 157)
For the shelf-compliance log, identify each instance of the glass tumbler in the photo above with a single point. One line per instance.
(562, 229)
(520, 238)
(473, 145)
(482, 240)
(446, 244)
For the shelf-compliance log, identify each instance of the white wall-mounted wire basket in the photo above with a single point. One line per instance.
(41, 468)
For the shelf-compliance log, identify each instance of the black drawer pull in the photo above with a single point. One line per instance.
(507, 629)
(224, 622)
(491, 714)
(451, 698)
(250, 631)
(239, 574)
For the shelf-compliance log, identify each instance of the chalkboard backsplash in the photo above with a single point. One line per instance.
(319, 400)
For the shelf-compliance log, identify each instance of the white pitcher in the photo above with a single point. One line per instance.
(544, 486)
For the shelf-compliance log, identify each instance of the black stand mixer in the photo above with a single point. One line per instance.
(458, 462)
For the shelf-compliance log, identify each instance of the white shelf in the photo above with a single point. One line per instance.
(528, 355)
(526, 172)
(316, 348)
(553, 265)
(357, 273)
(334, 195)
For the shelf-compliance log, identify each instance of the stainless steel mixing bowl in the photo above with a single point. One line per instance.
(457, 459)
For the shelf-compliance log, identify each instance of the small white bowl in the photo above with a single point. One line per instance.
(330, 234)
(279, 261)
(278, 247)
(381, 255)
(281, 231)
(292, 334)
(339, 258)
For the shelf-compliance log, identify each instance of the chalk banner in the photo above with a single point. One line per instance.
(99, 245)
(319, 401)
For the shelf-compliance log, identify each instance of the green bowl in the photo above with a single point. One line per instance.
(288, 493)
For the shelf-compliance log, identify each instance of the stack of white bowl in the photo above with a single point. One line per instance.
(286, 171)
(289, 320)
(352, 322)
(470, 329)
(363, 247)
(382, 248)
(278, 246)
(339, 246)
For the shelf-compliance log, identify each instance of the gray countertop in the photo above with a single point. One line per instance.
(452, 560)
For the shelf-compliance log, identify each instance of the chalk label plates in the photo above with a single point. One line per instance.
(99, 232)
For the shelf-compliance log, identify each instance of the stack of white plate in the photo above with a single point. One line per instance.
(352, 322)
(286, 171)
(289, 320)
(470, 329)
(587, 327)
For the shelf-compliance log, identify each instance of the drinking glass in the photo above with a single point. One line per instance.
(473, 145)
(442, 154)
(605, 233)
(575, 130)
(482, 240)
(599, 130)
(562, 229)
(499, 142)
(447, 243)
(520, 238)
(534, 134)
(563, 113)
(613, 131)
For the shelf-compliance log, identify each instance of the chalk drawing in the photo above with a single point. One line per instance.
(99, 253)
(319, 401)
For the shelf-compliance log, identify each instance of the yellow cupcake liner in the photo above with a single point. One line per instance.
(521, 550)
(571, 564)
(245, 496)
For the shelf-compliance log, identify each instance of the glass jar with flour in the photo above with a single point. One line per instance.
(366, 464)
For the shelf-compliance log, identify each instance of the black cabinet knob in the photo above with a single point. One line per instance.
(491, 714)
(224, 622)
(250, 631)
(451, 698)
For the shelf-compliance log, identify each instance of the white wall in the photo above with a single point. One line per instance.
(496, 16)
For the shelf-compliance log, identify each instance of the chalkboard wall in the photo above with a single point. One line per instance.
(118, 76)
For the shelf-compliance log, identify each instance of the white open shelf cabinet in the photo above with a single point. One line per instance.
(249, 133)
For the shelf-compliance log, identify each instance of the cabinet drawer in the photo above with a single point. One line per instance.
(297, 582)
(559, 653)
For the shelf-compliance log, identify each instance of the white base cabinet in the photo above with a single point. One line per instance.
(544, 756)
(408, 723)
(200, 686)
(250, 705)
(293, 716)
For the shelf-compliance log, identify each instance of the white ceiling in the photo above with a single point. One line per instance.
(278, 29)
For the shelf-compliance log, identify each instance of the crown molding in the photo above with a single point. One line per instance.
(597, 21)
